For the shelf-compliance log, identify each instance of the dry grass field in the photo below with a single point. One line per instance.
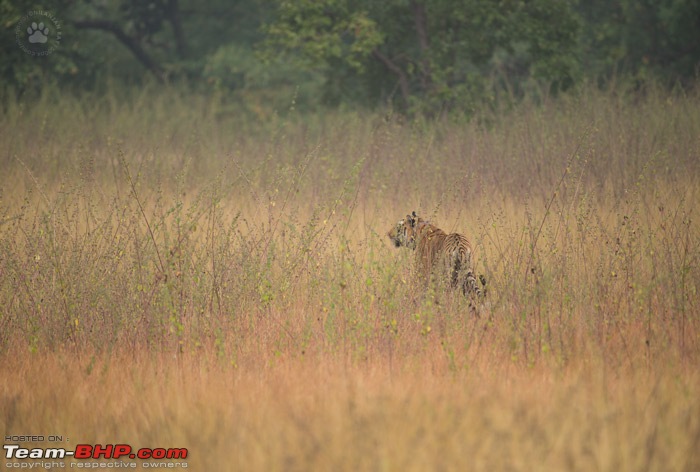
(174, 276)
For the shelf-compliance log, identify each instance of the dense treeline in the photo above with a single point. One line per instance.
(421, 56)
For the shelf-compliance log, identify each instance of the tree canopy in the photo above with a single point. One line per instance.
(424, 56)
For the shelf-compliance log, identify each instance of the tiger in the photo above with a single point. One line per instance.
(434, 247)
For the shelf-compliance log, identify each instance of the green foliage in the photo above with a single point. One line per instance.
(21, 68)
(642, 40)
(324, 32)
(259, 87)
(437, 54)
(422, 57)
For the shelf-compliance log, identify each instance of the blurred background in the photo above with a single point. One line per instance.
(431, 57)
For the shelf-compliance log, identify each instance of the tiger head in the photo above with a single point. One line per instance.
(403, 234)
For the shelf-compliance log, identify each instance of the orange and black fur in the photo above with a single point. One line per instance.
(437, 251)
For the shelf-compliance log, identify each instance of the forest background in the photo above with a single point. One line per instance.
(431, 57)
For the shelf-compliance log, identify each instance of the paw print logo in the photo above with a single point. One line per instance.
(38, 33)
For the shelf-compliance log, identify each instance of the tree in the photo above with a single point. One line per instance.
(23, 61)
(146, 20)
(642, 39)
(162, 38)
(431, 54)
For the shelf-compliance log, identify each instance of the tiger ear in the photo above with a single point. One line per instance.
(414, 213)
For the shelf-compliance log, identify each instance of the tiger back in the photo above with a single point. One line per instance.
(438, 253)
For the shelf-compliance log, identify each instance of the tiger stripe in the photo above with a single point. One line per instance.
(433, 247)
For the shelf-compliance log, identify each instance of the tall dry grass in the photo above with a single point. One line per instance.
(194, 280)
(322, 412)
